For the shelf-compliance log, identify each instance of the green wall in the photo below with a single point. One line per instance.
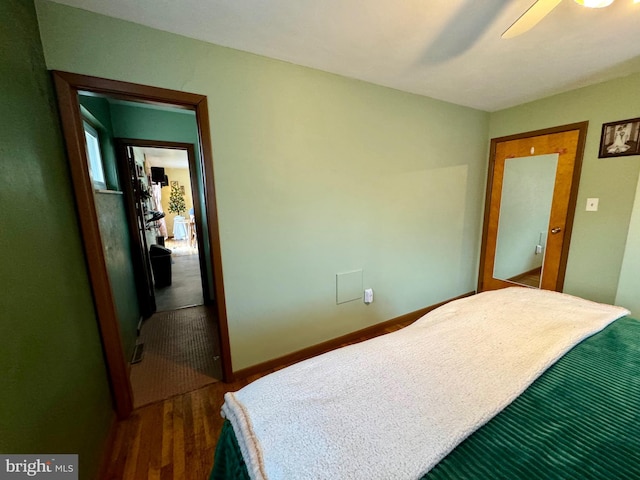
(599, 238)
(141, 122)
(316, 174)
(55, 396)
(628, 294)
(114, 229)
(114, 232)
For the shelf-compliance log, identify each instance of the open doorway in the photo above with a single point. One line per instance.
(106, 254)
(173, 223)
(177, 348)
(163, 192)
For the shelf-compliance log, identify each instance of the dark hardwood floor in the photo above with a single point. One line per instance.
(176, 438)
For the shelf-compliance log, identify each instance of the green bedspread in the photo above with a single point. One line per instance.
(579, 420)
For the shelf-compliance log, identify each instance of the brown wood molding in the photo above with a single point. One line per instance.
(353, 337)
(94, 250)
(582, 127)
(68, 85)
(130, 91)
(487, 211)
(204, 133)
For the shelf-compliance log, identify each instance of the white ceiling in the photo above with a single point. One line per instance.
(445, 49)
(164, 157)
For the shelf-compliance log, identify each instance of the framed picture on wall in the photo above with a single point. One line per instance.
(620, 138)
(174, 183)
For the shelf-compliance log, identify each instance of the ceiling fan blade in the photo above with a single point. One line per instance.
(464, 29)
(531, 17)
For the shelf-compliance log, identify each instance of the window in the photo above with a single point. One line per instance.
(94, 156)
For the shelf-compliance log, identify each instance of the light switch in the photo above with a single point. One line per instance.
(592, 204)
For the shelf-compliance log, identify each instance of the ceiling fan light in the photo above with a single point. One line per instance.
(594, 3)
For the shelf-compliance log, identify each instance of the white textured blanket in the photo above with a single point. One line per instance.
(392, 407)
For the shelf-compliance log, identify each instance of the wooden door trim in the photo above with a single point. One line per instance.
(94, 250)
(573, 198)
(581, 127)
(68, 85)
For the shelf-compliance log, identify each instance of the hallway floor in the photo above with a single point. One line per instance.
(181, 354)
(186, 284)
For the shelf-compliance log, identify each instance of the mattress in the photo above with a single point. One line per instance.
(579, 419)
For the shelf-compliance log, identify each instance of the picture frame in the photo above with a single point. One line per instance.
(621, 138)
(174, 183)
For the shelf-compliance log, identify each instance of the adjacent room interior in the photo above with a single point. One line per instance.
(172, 196)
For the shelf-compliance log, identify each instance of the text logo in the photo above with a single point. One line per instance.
(45, 467)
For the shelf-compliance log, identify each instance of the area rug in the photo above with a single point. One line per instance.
(181, 353)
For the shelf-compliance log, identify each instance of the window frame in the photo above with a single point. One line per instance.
(95, 162)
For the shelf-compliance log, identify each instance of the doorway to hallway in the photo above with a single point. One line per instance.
(106, 291)
(177, 349)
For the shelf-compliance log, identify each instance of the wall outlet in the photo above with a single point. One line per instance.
(368, 296)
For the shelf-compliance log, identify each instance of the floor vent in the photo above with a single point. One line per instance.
(138, 353)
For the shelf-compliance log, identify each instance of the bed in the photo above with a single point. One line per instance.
(515, 383)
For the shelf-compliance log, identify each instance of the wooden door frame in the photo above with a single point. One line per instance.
(68, 85)
(196, 191)
(581, 127)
